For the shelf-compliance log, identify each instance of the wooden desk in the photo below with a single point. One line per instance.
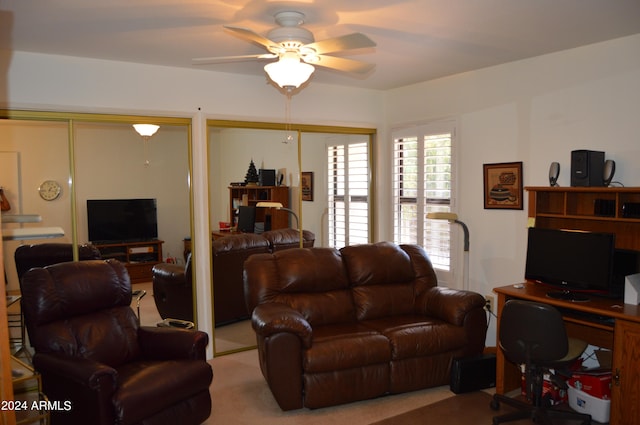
(622, 336)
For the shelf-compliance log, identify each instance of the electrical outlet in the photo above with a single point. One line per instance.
(489, 302)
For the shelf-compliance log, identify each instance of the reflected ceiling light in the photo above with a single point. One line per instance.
(289, 72)
(146, 131)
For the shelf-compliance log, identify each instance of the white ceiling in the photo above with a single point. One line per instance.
(417, 40)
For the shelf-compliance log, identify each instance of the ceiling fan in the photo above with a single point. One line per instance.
(297, 51)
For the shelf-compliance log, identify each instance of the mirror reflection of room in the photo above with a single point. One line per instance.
(268, 208)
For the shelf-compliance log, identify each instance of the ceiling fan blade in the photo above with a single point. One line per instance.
(222, 59)
(343, 64)
(247, 34)
(357, 40)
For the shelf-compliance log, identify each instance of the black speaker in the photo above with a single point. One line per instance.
(587, 168)
(246, 219)
(472, 374)
(267, 177)
(609, 171)
(554, 172)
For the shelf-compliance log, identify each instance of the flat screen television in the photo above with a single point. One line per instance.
(122, 220)
(575, 262)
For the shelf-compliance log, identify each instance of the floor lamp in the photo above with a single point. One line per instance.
(453, 218)
(279, 206)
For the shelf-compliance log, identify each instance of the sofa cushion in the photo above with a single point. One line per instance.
(382, 278)
(281, 239)
(345, 346)
(418, 336)
(311, 281)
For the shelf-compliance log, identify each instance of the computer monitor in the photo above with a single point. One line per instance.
(246, 219)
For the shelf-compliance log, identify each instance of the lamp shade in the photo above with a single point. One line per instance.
(289, 71)
(147, 130)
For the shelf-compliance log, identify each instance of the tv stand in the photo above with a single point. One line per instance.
(138, 257)
(568, 296)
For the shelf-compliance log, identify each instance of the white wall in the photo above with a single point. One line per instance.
(535, 111)
(40, 152)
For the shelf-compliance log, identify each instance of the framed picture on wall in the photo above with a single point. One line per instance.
(503, 186)
(307, 185)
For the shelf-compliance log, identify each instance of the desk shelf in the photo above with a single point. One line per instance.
(597, 209)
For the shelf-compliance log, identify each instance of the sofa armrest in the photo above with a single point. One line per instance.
(86, 373)
(451, 305)
(272, 318)
(172, 343)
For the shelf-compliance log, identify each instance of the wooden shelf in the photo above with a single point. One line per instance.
(597, 209)
(255, 194)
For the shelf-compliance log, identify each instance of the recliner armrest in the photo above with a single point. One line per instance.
(160, 343)
(169, 273)
(451, 305)
(272, 318)
(87, 373)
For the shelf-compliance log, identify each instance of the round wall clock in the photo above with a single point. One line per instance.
(49, 190)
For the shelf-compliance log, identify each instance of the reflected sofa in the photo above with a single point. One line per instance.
(172, 284)
(337, 326)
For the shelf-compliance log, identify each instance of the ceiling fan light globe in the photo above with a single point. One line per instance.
(289, 71)
(146, 130)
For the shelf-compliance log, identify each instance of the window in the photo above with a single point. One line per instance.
(422, 183)
(348, 194)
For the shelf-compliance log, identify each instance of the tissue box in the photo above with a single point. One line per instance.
(582, 402)
(596, 383)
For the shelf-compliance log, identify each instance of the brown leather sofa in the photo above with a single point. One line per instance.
(337, 326)
(95, 360)
(172, 285)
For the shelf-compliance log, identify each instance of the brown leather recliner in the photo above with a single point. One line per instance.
(98, 363)
(46, 254)
(337, 326)
(173, 290)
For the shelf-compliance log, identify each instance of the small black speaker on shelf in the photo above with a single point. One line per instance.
(267, 177)
(587, 168)
(554, 172)
(609, 171)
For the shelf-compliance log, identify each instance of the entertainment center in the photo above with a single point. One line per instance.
(127, 230)
(138, 257)
(602, 322)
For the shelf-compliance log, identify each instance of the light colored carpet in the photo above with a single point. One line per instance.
(241, 396)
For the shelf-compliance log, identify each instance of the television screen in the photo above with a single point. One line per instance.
(572, 260)
(122, 220)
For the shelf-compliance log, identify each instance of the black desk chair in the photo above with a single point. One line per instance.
(533, 334)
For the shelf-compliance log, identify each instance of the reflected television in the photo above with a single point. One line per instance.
(122, 220)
